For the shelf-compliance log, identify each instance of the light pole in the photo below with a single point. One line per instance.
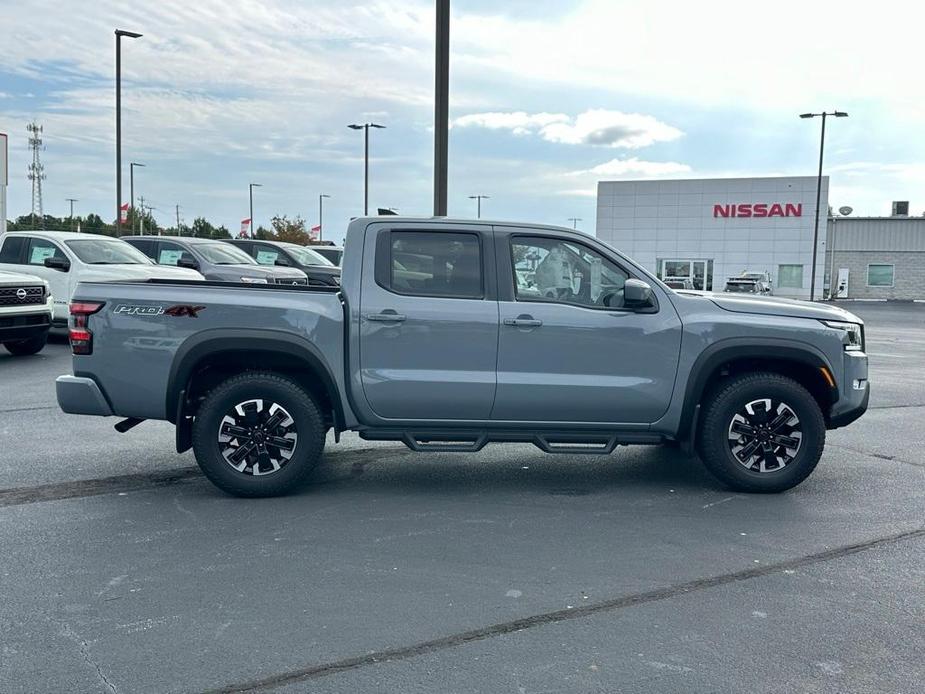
(132, 35)
(250, 191)
(478, 199)
(574, 221)
(441, 106)
(365, 127)
(321, 215)
(837, 114)
(72, 201)
(131, 189)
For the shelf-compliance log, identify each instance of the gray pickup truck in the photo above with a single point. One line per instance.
(450, 334)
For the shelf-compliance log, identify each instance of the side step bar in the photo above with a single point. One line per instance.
(471, 440)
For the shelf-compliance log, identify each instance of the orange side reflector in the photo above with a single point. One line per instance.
(827, 376)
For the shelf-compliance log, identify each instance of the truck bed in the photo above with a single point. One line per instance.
(146, 331)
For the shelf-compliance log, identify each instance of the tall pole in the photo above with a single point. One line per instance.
(574, 221)
(824, 114)
(72, 201)
(178, 220)
(478, 199)
(250, 192)
(812, 281)
(366, 170)
(441, 107)
(119, 34)
(321, 215)
(131, 187)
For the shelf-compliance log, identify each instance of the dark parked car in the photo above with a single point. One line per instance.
(320, 270)
(215, 260)
(333, 253)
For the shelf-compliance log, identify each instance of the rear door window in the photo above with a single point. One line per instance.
(169, 253)
(265, 255)
(435, 264)
(11, 251)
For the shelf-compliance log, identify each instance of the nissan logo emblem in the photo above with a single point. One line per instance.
(21, 294)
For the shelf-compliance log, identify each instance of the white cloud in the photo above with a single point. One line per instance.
(635, 167)
(594, 127)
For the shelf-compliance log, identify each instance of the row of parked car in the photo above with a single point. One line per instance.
(39, 271)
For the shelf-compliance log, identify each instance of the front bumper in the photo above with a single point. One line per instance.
(854, 394)
(24, 326)
(79, 395)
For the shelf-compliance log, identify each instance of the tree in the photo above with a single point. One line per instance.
(221, 233)
(264, 234)
(290, 230)
(202, 229)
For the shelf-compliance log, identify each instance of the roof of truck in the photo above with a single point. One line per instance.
(403, 219)
(59, 235)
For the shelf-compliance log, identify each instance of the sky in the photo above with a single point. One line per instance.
(546, 99)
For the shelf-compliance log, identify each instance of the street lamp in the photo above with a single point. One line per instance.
(321, 215)
(250, 192)
(72, 201)
(365, 127)
(478, 199)
(131, 35)
(837, 114)
(574, 221)
(131, 189)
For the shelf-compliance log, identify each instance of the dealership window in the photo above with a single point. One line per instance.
(879, 275)
(790, 276)
(698, 272)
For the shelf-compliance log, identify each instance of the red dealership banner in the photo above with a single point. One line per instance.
(123, 213)
(245, 226)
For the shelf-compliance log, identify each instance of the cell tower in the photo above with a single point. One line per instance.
(36, 172)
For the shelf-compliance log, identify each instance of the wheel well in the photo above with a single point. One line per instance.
(807, 375)
(216, 367)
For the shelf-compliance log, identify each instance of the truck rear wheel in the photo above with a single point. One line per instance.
(258, 434)
(761, 432)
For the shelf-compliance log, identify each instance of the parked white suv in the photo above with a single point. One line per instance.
(25, 313)
(63, 259)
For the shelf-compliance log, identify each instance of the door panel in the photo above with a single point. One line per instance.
(428, 343)
(563, 356)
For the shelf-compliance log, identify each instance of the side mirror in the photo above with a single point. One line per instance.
(637, 295)
(281, 262)
(188, 263)
(55, 263)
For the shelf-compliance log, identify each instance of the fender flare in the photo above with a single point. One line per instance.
(740, 348)
(211, 342)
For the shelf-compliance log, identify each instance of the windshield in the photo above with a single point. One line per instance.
(223, 254)
(306, 256)
(107, 252)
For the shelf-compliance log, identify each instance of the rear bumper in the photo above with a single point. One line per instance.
(855, 392)
(78, 395)
(24, 326)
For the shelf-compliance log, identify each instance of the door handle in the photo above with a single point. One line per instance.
(523, 322)
(385, 317)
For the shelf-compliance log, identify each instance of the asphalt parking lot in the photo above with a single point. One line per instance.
(123, 570)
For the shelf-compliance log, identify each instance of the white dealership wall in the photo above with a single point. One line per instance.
(4, 177)
(678, 220)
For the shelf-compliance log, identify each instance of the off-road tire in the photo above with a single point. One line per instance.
(266, 386)
(24, 348)
(721, 406)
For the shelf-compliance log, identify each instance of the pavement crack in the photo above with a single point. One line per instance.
(84, 649)
(879, 456)
(605, 606)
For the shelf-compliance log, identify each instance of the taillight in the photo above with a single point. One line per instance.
(80, 336)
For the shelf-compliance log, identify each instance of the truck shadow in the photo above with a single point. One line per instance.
(511, 468)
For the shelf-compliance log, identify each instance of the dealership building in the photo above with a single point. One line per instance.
(708, 230)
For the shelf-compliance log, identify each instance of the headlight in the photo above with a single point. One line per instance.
(254, 280)
(854, 334)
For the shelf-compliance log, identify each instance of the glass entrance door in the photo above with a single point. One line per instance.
(699, 272)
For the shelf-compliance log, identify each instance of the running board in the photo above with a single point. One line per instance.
(472, 440)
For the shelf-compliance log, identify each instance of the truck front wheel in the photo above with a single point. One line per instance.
(22, 348)
(258, 434)
(761, 432)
